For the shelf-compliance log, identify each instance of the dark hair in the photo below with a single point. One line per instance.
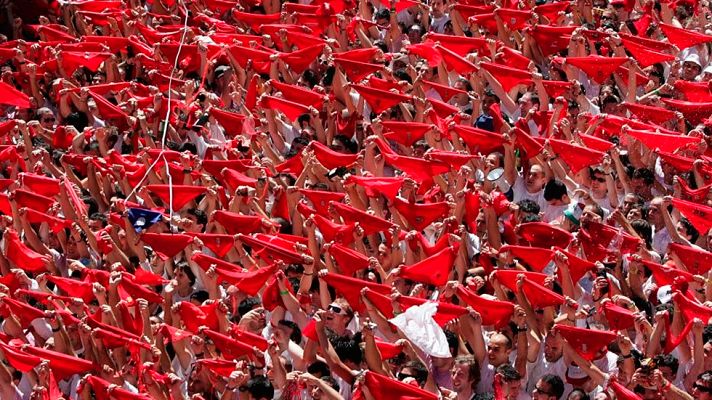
(667, 360)
(331, 382)
(347, 349)
(555, 383)
(319, 368)
(508, 372)
(419, 370)
(554, 190)
(260, 387)
(644, 230)
(383, 13)
(200, 296)
(690, 229)
(183, 266)
(598, 210)
(473, 368)
(645, 174)
(296, 335)
(199, 215)
(529, 206)
(707, 333)
(247, 305)
(452, 342)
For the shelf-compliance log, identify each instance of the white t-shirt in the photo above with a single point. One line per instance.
(521, 193)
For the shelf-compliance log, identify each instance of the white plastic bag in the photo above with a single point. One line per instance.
(418, 325)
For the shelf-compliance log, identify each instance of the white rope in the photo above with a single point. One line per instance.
(165, 125)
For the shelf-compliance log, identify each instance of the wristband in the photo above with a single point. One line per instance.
(283, 292)
(56, 330)
(666, 387)
(630, 355)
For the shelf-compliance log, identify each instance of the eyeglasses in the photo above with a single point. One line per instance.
(703, 389)
(401, 376)
(539, 390)
(336, 309)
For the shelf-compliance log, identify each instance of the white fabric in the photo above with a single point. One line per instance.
(420, 328)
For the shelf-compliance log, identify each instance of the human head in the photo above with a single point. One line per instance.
(548, 387)
(535, 179)
(338, 316)
(668, 365)
(555, 193)
(260, 388)
(702, 388)
(413, 370)
(498, 349)
(553, 348)
(511, 381)
(691, 67)
(465, 374)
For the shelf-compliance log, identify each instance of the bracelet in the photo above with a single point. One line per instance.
(59, 328)
(309, 274)
(283, 292)
(667, 387)
(630, 355)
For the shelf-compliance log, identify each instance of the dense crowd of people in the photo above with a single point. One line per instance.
(356, 199)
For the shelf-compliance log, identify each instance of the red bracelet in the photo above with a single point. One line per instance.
(667, 387)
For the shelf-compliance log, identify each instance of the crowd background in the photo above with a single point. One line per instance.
(356, 199)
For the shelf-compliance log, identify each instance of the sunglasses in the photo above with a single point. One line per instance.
(537, 389)
(601, 180)
(336, 309)
(701, 388)
(48, 119)
(401, 376)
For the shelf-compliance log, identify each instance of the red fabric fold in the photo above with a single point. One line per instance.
(380, 100)
(618, 318)
(586, 342)
(356, 71)
(369, 223)
(348, 260)
(182, 194)
(167, 245)
(329, 158)
(695, 112)
(350, 289)
(290, 109)
(508, 77)
(433, 270)
(700, 216)
(645, 55)
(657, 115)
(541, 234)
(697, 261)
(375, 186)
(384, 388)
(683, 38)
(552, 39)
(455, 62)
(535, 257)
(493, 312)
(420, 216)
(576, 157)
(13, 97)
(22, 256)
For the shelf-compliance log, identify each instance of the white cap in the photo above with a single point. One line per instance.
(693, 58)
(664, 294)
(708, 69)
